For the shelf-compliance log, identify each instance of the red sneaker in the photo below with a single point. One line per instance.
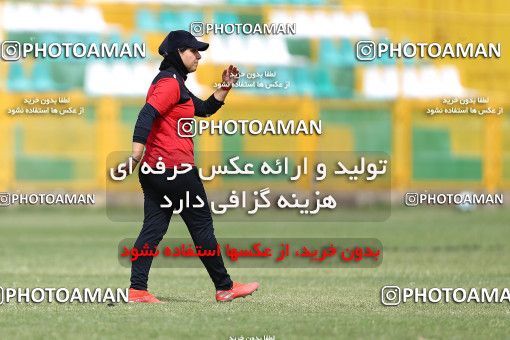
(136, 295)
(238, 290)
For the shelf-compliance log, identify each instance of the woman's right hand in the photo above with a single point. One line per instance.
(124, 169)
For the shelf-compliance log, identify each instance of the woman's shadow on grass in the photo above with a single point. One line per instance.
(177, 299)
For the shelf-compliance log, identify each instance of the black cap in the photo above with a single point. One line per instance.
(180, 39)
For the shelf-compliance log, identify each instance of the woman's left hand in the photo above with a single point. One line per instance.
(230, 76)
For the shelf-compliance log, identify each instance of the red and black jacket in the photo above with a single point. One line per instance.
(168, 100)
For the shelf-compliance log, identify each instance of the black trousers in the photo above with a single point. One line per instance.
(156, 220)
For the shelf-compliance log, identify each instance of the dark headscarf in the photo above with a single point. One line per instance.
(173, 59)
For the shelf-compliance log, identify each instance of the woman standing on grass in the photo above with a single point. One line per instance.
(156, 131)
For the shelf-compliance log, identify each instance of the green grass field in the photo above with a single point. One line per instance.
(423, 247)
